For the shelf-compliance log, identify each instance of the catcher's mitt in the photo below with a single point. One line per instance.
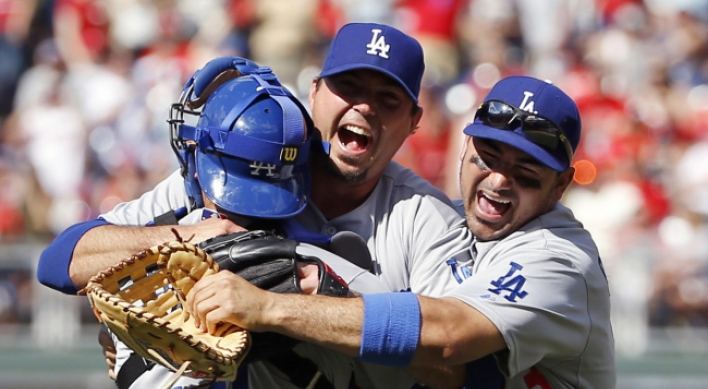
(141, 299)
(269, 262)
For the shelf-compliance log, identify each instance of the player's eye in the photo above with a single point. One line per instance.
(390, 99)
(346, 82)
(527, 181)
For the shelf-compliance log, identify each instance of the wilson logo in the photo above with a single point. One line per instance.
(288, 154)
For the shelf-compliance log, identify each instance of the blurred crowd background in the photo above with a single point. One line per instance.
(86, 86)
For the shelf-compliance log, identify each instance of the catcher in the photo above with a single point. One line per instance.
(256, 177)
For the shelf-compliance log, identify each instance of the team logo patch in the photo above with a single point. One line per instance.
(262, 169)
(460, 272)
(510, 284)
(378, 45)
(528, 105)
(288, 154)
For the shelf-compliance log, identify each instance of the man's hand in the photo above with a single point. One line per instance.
(109, 351)
(208, 228)
(225, 297)
(309, 277)
(212, 300)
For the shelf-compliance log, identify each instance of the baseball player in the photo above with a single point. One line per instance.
(537, 299)
(364, 106)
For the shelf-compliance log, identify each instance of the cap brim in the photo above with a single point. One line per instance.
(226, 183)
(355, 66)
(516, 140)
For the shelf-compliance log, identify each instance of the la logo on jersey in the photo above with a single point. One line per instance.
(528, 104)
(510, 283)
(459, 271)
(378, 45)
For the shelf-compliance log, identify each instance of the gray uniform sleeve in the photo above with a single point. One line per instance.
(166, 196)
(538, 301)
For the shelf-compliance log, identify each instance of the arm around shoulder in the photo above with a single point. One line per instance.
(450, 333)
(86, 248)
(54, 262)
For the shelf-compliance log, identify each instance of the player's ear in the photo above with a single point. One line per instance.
(313, 89)
(464, 147)
(562, 183)
(415, 120)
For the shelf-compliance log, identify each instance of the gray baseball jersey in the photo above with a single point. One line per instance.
(546, 291)
(409, 229)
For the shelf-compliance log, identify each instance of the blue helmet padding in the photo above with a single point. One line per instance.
(252, 188)
(245, 147)
(204, 76)
(293, 121)
(252, 147)
(246, 102)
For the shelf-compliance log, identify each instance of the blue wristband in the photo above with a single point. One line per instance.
(391, 329)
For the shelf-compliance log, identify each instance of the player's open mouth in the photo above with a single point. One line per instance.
(354, 139)
(491, 209)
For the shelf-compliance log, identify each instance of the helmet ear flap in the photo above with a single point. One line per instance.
(220, 79)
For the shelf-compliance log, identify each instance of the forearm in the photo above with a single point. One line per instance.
(453, 333)
(107, 245)
(335, 323)
(393, 329)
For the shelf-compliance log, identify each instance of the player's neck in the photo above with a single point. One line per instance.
(335, 198)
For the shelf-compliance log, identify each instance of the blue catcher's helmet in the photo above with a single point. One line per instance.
(249, 148)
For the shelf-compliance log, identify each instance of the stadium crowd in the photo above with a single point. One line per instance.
(84, 83)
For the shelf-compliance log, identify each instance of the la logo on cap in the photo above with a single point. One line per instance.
(527, 105)
(378, 45)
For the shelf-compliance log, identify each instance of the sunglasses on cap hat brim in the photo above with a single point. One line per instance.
(537, 129)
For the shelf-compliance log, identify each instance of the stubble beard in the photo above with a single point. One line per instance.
(333, 171)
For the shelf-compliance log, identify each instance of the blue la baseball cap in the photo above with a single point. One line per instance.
(543, 99)
(377, 47)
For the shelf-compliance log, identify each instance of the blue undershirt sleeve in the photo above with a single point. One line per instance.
(53, 266)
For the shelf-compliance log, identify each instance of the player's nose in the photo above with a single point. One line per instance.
(498, 181)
